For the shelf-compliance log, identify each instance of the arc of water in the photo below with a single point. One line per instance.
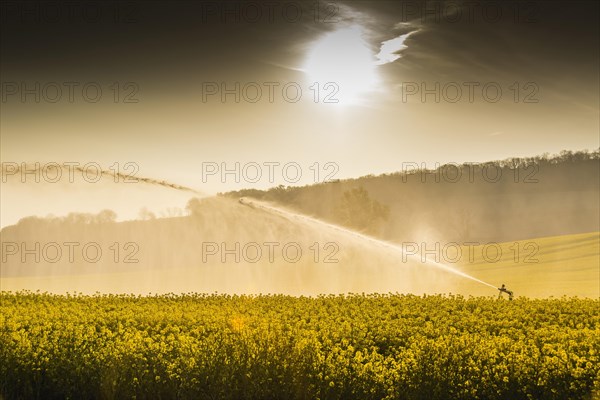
(9, 169)
(361, 236)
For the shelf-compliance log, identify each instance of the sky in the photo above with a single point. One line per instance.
(220, 96)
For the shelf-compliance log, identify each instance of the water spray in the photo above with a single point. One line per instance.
(9, 169)
(382, 243)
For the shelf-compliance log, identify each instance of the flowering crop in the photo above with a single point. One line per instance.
(280, 347)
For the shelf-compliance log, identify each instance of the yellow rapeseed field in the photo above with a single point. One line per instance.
(281, 347)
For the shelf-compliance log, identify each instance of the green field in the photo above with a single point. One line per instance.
(280, 347)
(556, 266)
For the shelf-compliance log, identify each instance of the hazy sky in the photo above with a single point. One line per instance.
(162, 68)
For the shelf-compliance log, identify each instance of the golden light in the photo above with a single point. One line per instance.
(343, 67)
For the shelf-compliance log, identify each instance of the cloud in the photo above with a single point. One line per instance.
(390, 48)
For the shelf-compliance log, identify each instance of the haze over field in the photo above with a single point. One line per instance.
(405, 234)
(354, 114)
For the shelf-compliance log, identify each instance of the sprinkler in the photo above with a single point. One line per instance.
(503, 289)
(245, 202)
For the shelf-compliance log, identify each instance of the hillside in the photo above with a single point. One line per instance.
(172, 256)
(543, 267)
(178, 254)
(499, 201)
(545, 229)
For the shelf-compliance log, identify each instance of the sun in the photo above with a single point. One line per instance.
(342, 65)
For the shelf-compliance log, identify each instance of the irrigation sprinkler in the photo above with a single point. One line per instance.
(503, 289)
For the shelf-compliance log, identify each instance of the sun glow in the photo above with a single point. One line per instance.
(343, 66)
